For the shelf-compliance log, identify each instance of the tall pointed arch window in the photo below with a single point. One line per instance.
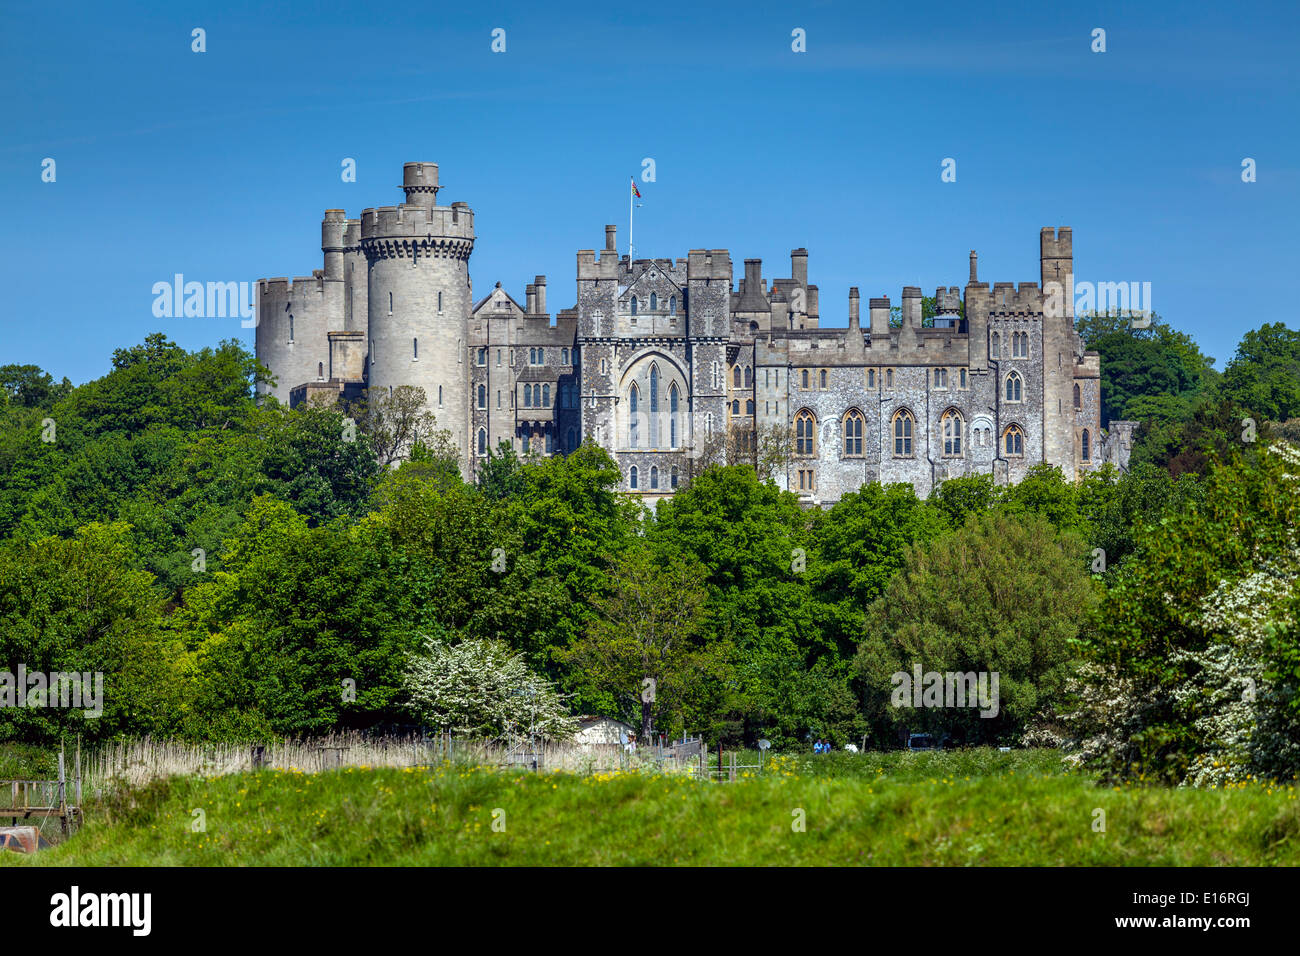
(1087, 446)
(546, 396)
(482, 396)
(952, 426)
(853, 424)
(632, 477)
(654, 477)
(654, 304)
(1013, 442)
(903, 426)
(634, 305)
(633, 401)
(1078, 397)
(672, 415)
(482, 441)
(995, 345)
(654, 406)
(805, 434)
(1014, 388)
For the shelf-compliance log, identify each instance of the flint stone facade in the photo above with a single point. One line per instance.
(672, 364)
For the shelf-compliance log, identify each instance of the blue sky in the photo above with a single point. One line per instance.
(219, 165)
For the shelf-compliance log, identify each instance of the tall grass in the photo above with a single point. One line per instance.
(134, 763)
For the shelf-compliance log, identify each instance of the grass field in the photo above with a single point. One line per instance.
(960, 808)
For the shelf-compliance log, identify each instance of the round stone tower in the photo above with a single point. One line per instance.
(419, 298)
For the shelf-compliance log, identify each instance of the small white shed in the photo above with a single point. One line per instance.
(601, 730)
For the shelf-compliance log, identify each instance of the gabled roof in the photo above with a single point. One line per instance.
(497, 288)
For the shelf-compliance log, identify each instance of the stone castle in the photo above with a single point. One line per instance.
(669, 365)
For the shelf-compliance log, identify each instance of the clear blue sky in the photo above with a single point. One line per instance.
(219, 165)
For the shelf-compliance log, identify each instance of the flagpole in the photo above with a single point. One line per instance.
(631, 206)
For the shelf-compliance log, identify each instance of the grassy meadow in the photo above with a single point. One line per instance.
(964, 808)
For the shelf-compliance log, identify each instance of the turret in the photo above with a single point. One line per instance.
(420, 182)
(419, 298)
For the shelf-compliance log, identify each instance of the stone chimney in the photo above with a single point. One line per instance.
(974, 259)
(912, 306)
(799, 267)
(855, 318)
(540, 287)
(879, 318)
(531, 292)
(611, 238)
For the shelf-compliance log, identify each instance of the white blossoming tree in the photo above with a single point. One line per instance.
(483, 688)
(1193, 673)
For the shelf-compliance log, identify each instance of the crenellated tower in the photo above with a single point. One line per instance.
(419, 297)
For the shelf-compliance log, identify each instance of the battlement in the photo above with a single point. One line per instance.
(589, 267)
(413, 221)
(1010, 297)
(284, 288)
(1056, 243)
(708, 264)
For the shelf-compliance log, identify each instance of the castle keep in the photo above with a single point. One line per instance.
(671, 364)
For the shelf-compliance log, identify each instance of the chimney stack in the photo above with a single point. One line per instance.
(799, 267)
(611, 235)
(540, 287)
(530, 291)
(855, 318)
(973, 260)
(912, 306)
(879, 318)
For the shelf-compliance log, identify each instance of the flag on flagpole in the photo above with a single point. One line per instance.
(635, 192)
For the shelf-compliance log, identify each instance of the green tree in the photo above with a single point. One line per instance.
(640, 644)
(1002, 595)
(1264, 375)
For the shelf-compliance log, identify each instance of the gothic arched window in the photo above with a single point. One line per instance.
(482, 441)
(903, 425)
(632, 477)
(952, 431)
(1087, 445)
(634, 307)
(735, 377)
(995, 345)
(1078, 398)
(749, 376)
(805, 434)
(672, 306)
(546, 396)
(672, 477)
(482, 396)
(1014, 387)
(654, 405)
(654, 477)
(672, 415)
(654, 304)
(853, 422)
(528, 396)
(633, 399)
(1014, 441)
